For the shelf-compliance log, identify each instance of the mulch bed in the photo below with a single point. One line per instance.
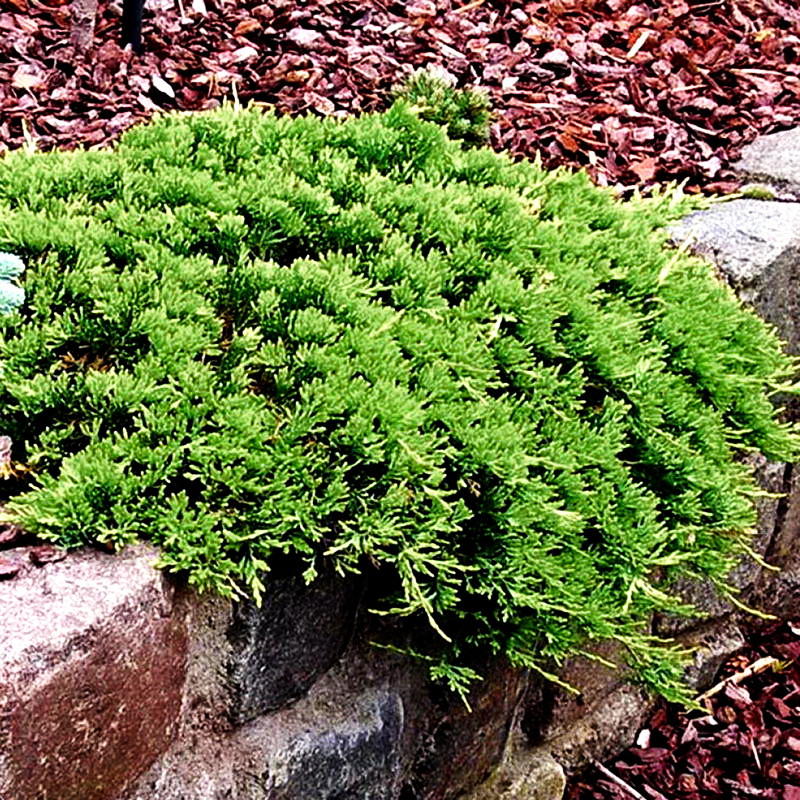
(746, 746)
(636, 92)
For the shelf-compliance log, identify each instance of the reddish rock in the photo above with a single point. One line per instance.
(10, 566)
(9, 534)
(46, 554)
(92, 663)
(463, 744)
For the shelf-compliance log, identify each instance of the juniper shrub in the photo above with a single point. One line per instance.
(357, 343)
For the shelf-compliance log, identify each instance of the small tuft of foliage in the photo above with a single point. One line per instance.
(465, 114)
(357, 343)
(758, 192)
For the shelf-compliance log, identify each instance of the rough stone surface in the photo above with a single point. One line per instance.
(773, 160)
(712, 644)
(329, 746)
(463, 745)
(706, 600)
(770, 476)
(603, 729)
(756, 245)
(333, 744)
(280, 648)
(525, 774)
(371, 728)
(747, 577)
(779, 592)
(200, 764)
(204, 770)
(371, 708)
(207, 692)
(551, 711)
(598, 722)
(92, 662)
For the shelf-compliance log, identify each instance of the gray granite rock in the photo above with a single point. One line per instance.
(774, 161)
(202, 770)
(279, 649)
(354, 734)
(712, 645)
(748, 576)
(328, 746)
(595, 724)
(756, 246)
(244, 661)
(779, 591)
(603, 729)
(461, 746)
(92, 666)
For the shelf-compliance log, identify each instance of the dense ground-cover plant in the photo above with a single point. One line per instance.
(357, 342)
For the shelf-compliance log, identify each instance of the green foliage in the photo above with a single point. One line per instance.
(356, 342)
(757, 192)
(465, 114)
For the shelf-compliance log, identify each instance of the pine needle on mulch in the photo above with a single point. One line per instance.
(636, 92)
(747, 746)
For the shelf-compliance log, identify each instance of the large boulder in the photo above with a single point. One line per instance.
(756, 246)
(280, 647)
(92, 665)
(774, 161)
(329, 745)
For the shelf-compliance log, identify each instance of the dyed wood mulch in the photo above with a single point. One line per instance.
(746, 746)
(636, 92)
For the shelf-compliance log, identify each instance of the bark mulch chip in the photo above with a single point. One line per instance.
(747, 745)
(636, 92)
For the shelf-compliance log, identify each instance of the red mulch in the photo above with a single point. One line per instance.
(17, 549)
(748, 746)
(637, 92)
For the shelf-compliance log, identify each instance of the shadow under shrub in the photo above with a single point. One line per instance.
(356, 341)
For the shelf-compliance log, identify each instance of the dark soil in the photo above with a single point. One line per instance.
(636, 92)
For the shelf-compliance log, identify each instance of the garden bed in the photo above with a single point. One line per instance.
(637, 93)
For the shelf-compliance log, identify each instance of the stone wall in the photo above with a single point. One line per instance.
(117, 684)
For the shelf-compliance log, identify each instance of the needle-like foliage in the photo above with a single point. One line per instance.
(357, 342)
(464, 113)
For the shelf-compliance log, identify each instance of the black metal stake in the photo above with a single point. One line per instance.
(132, 24)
